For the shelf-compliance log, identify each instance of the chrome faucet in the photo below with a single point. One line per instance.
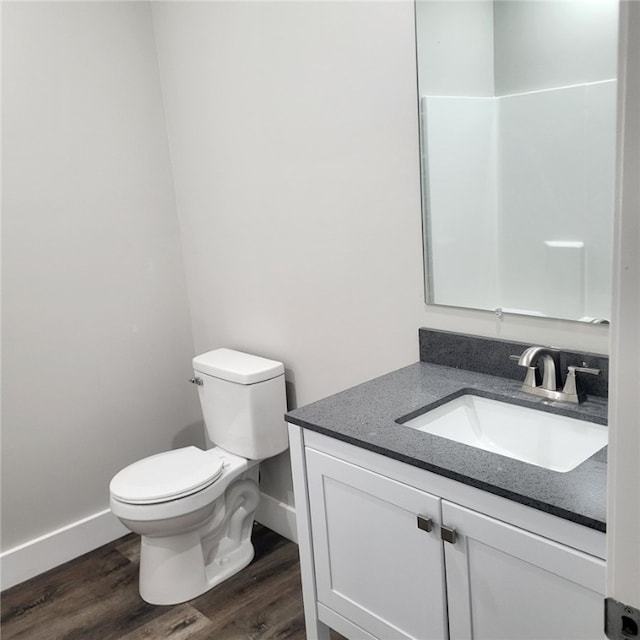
(551, 382)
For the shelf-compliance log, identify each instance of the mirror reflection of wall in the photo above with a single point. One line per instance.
(518, 105)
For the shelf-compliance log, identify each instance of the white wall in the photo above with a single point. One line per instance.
(293, 137)
(540, 45)
(498, 47)
(455, 47)
(96, 335)
(295, 151)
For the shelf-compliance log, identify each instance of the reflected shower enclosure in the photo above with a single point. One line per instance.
(517, 118)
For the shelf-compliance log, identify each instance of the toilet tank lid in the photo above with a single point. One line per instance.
(237, 366)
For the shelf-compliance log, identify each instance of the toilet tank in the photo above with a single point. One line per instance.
(243, 402)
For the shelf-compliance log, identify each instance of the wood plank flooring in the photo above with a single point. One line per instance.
(95, 597)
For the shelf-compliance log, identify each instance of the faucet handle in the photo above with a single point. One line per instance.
(571, 387)
(591, 370)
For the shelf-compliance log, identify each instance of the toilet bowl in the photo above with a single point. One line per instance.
(194, 508)
(196, 532)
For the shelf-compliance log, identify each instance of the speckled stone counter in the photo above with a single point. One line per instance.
(366, 416)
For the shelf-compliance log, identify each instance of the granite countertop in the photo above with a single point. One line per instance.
(366, 416)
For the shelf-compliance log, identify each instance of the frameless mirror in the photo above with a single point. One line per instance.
(517, 125)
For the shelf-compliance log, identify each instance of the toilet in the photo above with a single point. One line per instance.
(194, 508)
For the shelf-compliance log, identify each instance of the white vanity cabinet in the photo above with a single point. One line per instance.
(373, 564)
(505, 583)
(393, 552)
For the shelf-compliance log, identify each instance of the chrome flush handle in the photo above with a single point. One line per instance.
(197, 381)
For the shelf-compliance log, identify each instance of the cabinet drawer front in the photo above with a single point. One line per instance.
(373, 564)
(505, 583)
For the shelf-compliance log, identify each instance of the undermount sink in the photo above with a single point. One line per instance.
(544, 439)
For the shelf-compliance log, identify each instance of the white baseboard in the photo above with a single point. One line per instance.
(277, 516)
(57, 547)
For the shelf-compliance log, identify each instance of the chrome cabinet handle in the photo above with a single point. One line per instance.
(448, 534)
(197, 381)
(424, 523)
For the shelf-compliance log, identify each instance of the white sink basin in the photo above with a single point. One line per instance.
(545, 439)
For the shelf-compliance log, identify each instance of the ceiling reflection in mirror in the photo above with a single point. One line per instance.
(517, 123)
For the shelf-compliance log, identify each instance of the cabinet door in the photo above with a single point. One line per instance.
(373, 564)
(506, 583)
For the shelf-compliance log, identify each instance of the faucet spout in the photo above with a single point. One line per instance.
(530, 358)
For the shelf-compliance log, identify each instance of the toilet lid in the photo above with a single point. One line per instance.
(166, 476)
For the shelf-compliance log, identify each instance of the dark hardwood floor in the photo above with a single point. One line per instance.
(95, 597)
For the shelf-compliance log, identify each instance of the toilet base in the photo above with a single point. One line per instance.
(177, 568)
(170, 575)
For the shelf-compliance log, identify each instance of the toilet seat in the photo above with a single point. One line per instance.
(166, 476)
